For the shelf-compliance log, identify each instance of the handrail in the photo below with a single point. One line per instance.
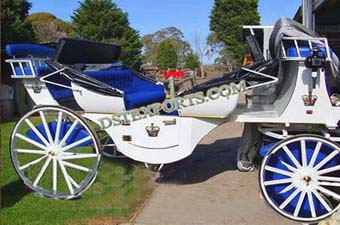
(22, 62)
(298, 40)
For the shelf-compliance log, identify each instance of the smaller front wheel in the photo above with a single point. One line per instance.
(55, 152)
(300, 178)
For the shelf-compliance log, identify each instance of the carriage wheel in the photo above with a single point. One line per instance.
(55, 152)
(109, 149)
(300, 178)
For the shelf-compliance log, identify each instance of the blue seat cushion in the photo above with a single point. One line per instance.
(29, 49)
(120, 79)
(137, 91)
(39, 70)
(60, 93)
(141, 98)
(306, 52)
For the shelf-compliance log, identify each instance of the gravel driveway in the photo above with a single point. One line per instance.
(206, 188)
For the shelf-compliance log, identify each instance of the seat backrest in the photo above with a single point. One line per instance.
(120, 79)
(24, 50)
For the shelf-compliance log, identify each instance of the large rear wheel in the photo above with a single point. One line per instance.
(300, 178)
(55, 152)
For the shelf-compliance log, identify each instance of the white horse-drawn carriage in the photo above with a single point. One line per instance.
(291, 114)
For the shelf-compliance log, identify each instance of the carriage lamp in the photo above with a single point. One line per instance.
(315, 62)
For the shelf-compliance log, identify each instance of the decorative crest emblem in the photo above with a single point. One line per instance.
(152, 130)
(309, 100)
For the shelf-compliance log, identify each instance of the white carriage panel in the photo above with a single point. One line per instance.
(190, 132)
(93, 102)
(39, 92)
(322, 111)
(296, 112)
(168, 135)
(221, 107)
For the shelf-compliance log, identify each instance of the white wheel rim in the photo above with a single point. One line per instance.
(305, 179)
(56, 156)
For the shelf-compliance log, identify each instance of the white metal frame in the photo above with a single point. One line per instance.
(310, 41)
(43, 79)
(22, 62)
(273, 81)
(279, 132)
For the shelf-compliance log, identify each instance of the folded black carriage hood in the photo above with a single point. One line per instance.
(77, 51)
(288, 28)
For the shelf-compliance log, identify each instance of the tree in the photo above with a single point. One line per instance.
(14, 28)
(48, 28)
(226, 19)
(166, 55)
(200, 50)
(151, 42)
(102, 20)
(192, 61)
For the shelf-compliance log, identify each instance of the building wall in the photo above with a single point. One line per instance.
(327, 23)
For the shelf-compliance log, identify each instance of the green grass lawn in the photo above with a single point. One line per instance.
(120, 188)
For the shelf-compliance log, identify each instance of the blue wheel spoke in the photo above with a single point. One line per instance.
(315, 154)
(289, 199)
(322, 200)
(311, 203)
(279, 171)
(329, 170)
(291, 168)
(298, 206)
(279, 181)
(288, 188)
(291, 156)
(326, 160)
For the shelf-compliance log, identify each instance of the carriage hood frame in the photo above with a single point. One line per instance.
(80, 51)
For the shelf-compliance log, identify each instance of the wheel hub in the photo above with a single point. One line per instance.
(54, 151)
(307, 179)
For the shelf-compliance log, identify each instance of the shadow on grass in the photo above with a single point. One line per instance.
(13, 193)
(205, 162)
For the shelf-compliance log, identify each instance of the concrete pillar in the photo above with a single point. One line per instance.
(307, 14)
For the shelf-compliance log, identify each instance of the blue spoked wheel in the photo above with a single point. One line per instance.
(55, 152)
(300, 178)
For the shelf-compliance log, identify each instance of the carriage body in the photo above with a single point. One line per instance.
(285, 98)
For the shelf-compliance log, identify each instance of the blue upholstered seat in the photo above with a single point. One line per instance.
(23, 51)
(120, 79)
(29, 49)
(305, 51)
(39, 70)
(137, 91)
